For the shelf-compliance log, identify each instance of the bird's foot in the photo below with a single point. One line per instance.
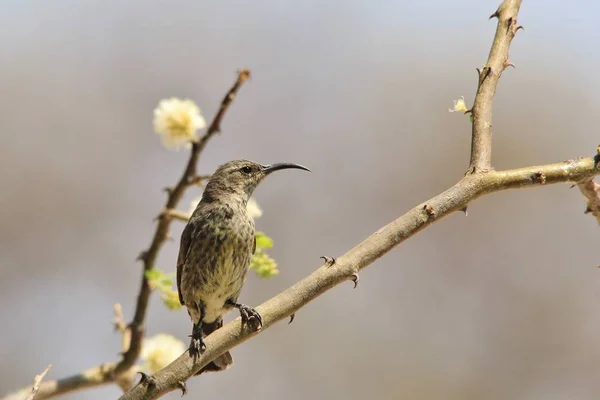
(197, 345)
(250, 317)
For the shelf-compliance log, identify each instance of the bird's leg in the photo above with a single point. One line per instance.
(197, 345)
(250, 317)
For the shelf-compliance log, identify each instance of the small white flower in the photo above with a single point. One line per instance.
(159, 351)
(459, 105)
(252, 207)
(177, 121)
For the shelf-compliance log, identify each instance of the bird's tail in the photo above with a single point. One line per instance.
(222, 362)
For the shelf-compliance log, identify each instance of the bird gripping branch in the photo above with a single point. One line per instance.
(215, 250)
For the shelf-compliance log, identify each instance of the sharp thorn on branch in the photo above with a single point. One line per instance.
(508, 64)
(478, 72)
(329, 261)
(597, 157)
(355, 279)
(142, 256)
(181, 385)
(464, 209)
(488, 72)
(572, 186)
(292, 318)
(168, 190)
(496, 14)
(146, 379)
(587, 210)
(519, 27)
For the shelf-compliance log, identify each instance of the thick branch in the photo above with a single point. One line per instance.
(345, 267)
(481, 142)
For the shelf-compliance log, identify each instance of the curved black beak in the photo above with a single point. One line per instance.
(267, 169)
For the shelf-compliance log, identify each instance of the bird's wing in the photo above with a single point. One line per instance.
(184, 247)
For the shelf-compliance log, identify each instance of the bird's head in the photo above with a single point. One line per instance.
(240, 178)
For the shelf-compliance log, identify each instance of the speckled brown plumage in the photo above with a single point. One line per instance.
(215, 250)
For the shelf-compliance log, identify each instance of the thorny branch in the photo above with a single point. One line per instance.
(347, 266)
(123, 372)
(175, 194)
(481, 140)
(480, 180)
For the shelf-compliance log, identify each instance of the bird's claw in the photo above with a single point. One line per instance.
(250, 317)
(329, 261)
(197, 345)
(181, 385)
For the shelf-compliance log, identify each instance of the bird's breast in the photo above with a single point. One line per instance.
(217, 265)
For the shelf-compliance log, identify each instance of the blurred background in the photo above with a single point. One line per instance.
(503, 304)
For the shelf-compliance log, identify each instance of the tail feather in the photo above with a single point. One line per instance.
(222, 362)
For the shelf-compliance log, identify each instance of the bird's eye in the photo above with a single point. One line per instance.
(246, 169)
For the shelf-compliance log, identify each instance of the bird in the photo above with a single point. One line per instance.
(215, 249)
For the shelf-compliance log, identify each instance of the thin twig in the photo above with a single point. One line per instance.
(179, 215)
(36, 383)
(87, 379)
(124, 371)
(481, 139)
(149, 256)
(347, 266)
(121, 327)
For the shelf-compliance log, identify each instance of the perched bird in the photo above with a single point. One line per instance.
(215, 250)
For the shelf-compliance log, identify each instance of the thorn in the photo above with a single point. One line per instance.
(181, 385)
(464, 209)
(292, 318)
(508, 64)
(429, 210)
(496, 14)
(478, 72)
(328, 260)
(469, 111)
(540, 177)
(142, 256)
(597, 157)
(168, 190)
(519, 27)
(572, 186)
(355, 279)
(146, 379)
(587, 210)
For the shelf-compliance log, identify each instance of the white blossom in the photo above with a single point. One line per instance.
(177, 121)
(459, 105)
(159, 351)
